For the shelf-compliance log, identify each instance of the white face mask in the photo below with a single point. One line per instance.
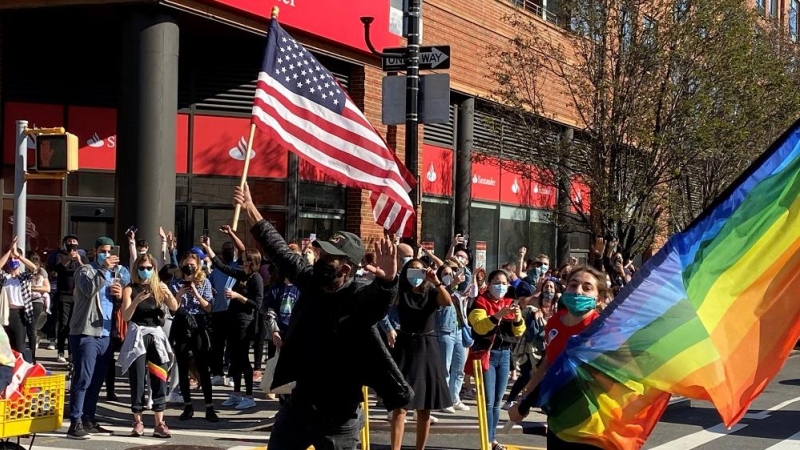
(447, 280)
(462, 260)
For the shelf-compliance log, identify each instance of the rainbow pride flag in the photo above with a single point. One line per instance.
(712, 316)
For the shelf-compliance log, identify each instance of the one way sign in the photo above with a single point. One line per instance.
(430, 57)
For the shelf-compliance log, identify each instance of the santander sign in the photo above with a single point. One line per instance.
(332, 20)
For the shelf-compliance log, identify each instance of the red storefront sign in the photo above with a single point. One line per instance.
(333, 20)
(38, 115)
(580, 196)
(527, 189)
(96, 129)
(485, 181)
(436, 172)
(182, 144)
(220, 144)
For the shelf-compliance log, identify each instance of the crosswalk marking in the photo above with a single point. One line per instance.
(765, 414)
(701, 437)
(792, 442)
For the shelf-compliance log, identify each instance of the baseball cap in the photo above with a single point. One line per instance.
(101, 241)
(197, 250)
(343, 243)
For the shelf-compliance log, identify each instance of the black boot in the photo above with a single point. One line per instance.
(211, 416)
(188, 413)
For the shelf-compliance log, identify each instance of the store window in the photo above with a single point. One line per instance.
(437, 224)
(320, 197)
(513, 233)
(35, 187)
(43, 224)
(323, 225)
(220, 190)
(90, 184)
(542, 236)
(483, 226)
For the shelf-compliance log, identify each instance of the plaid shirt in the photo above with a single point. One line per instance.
(25, 279)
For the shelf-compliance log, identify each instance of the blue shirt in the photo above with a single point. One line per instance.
(188, 302)
(219, 281)
(106, 300)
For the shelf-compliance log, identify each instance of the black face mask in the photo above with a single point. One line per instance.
(72, 247)
(324, 274)
(187, 270)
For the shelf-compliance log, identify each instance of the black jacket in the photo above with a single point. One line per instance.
(332, 347)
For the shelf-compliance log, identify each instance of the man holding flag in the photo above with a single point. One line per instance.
(332, 348)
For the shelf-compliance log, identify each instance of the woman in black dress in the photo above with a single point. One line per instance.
(417, 350)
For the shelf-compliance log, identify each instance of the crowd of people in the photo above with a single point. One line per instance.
(400, 320)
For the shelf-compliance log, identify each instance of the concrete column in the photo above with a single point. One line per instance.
(145, 182)
(463, 170)
(562, 233)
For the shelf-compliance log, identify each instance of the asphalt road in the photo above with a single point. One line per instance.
(773, 422)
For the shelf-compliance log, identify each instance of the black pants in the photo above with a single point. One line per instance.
(258, 342)
(554, 443)
(219, 339)
(240, 334)
(31, 330)
(144, 366)
(17, 329)
(298, 426)
(64, 316)
(526, 372)
(192, 346)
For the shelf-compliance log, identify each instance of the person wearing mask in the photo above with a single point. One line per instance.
(68, 261)
(449, 322)
(496, 324)
(245, 297)
(220, 283)
(139, 247)
(538, 269)
(40, 299)
(97, 286)
(417, 350)
(146, 353)
(189, 331)
(332, 329)
(16, 293)
(585, 285)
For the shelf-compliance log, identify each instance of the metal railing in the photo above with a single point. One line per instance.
(535, 7)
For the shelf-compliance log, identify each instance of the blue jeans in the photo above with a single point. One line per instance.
(494, 385)
(455, 356)
(91, 358)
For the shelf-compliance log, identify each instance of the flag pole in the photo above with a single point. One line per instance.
(238, 209)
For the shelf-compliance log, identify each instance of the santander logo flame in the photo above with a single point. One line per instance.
(431, 175)
(95, 141)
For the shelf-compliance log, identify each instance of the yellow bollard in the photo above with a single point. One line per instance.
(480, 397)
(365, 429)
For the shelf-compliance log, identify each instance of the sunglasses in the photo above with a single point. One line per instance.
(145, 267)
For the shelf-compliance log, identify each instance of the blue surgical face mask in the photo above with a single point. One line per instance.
(101, 257)
(548, 295)
(415, 281)
(13, 264)
(578, 304)
(499, 290)
(145, 274)
(405, 261)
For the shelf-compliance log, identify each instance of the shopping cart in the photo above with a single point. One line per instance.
(39, 409)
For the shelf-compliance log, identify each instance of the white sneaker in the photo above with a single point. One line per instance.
(460, 406)
(175, 398)
(434, 419)
(412, 415)
(217, 380)
(508, 405)
(233, 400)
(246, 403)
(229, 382)
(51, 345)
(448, 410)
(60, 358)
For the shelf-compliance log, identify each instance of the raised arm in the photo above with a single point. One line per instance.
(11, 248)
(131, 234)
(372, 301)
(234, 238)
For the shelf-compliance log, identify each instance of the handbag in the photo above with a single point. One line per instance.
(466, 330)
(479, 355)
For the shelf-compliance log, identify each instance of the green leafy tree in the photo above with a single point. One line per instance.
(670, 103)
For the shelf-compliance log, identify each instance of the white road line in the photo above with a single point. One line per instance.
(765, 414)
(118, 438)
(701, 437)
(792, 442)
(209, 434)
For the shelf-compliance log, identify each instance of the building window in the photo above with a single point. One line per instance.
(92, 184)
(682, 9)
(541, 236)
(513, 233)
(794, 6)
(483, 220)
(437, 224)
(625, 30)
(323, 225)
(773, 7)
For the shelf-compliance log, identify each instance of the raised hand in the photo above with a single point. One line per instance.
(386, 258)
(242, 196)
(12, 249)
(226, 229)
(161, 233)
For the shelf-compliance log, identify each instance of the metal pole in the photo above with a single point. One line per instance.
(20, 186)
(414, 16)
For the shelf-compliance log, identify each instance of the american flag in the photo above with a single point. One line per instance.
(302, 108)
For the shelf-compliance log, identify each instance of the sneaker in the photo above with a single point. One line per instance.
(60, 358)
(161, 431)
(508, 405)
(448, 410)
(460, 406)
(412, 415)
(211, 416)
(175, 398)
(217, 380)
(233, 400)
(246, 403)
(76, 431)
(96, 429)
(138, 429)
(434, 419)
(469, 394)
(51, 345)
(149, 405)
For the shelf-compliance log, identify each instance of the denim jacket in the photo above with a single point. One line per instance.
(391, 321)
(446, 318)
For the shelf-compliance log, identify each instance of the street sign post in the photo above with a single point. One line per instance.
(431, 57)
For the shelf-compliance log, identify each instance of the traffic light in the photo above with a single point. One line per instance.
(56, 153)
